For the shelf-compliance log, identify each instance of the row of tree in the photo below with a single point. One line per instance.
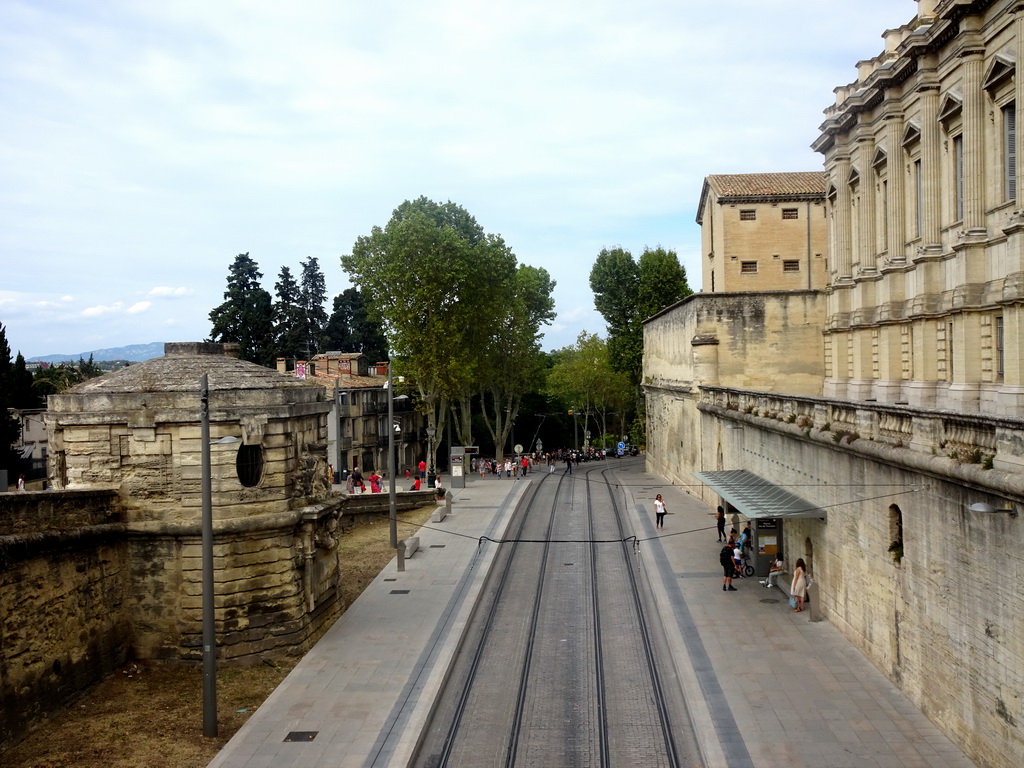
(461, 319)
(294, 323)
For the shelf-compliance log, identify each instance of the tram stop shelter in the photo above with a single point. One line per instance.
(764, 502)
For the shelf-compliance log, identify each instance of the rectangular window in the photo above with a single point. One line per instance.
(790, 213)
(999, 347)
(748, 267)
(1010, 152)
(791, 265)
(748, 215)
(958, 177)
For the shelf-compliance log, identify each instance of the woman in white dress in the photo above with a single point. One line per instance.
(798, 589)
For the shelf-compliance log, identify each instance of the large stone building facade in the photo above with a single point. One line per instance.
(889, 402)
(926, 267)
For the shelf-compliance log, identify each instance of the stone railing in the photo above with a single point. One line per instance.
(988, 441)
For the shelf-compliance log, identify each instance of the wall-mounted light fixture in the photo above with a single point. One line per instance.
(981, 506)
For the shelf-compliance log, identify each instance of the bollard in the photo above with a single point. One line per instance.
(448, 502)
(813, 601)
(401, 556)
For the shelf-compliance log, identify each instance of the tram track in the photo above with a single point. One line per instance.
(559, 664)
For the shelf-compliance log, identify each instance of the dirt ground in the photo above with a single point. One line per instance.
(150, 714)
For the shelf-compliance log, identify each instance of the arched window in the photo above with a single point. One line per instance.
(896, 532)
(249, 465)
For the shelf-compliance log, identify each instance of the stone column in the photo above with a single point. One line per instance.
(963, 393)
(931, 144)
(896, 204)
(971, 67)
(866, 259)
(842, 261)
(921, 390)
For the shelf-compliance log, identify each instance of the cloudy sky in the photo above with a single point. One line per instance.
(144, 145)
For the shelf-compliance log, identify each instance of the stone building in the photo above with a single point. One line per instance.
(763, 231)
(357, 428)
(137, 431)
(889, 416)
(927, 264)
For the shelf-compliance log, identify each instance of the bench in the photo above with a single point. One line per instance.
(411, 545)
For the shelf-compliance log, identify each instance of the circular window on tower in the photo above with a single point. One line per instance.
(249, 465)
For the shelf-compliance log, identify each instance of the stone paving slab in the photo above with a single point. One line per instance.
(769, 688)
(367, 686)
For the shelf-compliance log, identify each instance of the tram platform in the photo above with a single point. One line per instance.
(766, 687)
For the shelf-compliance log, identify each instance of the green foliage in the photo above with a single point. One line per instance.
(246, 316)
(444, 291)
(312, 298)
(627, 292)
(10, 429)
(289, 323)
(350, 328)
(583, 379)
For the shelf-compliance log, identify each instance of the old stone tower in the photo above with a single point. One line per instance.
(137, 431)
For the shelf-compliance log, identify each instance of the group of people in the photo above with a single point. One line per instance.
(736, 550)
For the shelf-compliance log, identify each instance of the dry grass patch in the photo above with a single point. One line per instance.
(150, 714)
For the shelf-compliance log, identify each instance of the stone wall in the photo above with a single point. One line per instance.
(82, 590)
(946, 620)
(64, 623)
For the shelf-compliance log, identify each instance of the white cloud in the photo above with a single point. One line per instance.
(168, 292)
(139, 306)
(146, 144)
(100, 311)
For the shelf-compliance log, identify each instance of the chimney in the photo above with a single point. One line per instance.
(282, 365)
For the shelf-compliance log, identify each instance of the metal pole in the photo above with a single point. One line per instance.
(392, 512)
(209, 636)
(337, 429)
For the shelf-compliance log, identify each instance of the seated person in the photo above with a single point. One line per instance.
(776, 570)
(415, 484)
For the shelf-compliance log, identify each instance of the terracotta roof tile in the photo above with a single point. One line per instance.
(768, 184)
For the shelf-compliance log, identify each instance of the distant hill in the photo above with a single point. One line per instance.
(135, 353)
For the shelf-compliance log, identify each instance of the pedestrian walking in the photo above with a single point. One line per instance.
(659, 512)
(720, 521)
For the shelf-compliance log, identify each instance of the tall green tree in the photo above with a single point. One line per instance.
(22, 393)
(246, 316)
(10, 428)
(289, 323)
(514, 361)
(313, 299)
(627, 292)
(350, 328)
(583, 379)
(435, 280)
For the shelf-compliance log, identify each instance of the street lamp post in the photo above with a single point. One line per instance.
(209, 634)
(392, 508)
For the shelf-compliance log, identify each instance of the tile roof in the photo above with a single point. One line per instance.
(749, 187)
(768, 184)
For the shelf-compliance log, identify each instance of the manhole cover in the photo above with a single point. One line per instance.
(301, 736)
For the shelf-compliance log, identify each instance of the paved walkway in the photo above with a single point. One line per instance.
(767, 687)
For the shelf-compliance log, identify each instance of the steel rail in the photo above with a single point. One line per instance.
(602, 707)
(478, 653)
(645, 632)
